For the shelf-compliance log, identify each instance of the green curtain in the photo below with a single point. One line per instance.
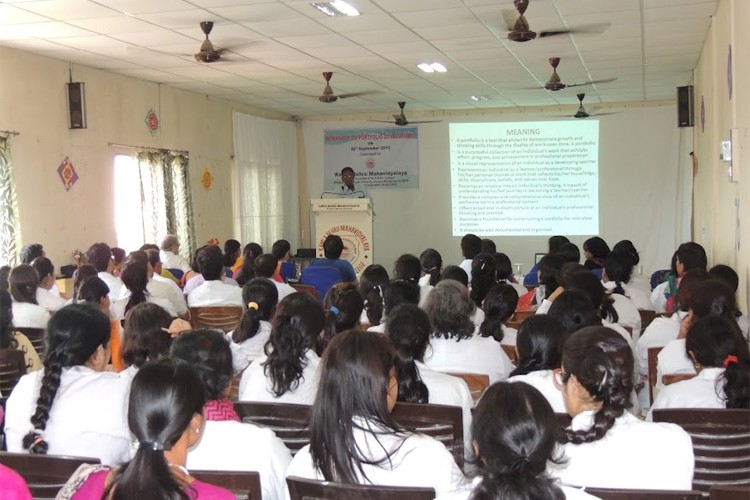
(167, 198)
(9, 224)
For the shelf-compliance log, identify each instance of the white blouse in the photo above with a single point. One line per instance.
(452, 391)
(117, 307)
(88, 417)
(244, 353)
(618, 460)
(27, 315)
(475, 354)
(705, 390)
(673, 359)
(627, 314)
(415, 460)
(237, 446)
(215, 293)
(543, 381)
(255, 386)
(49, 300)
(640, 298)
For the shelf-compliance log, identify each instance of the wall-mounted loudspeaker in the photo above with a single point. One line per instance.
(76, 105)
(685, 106)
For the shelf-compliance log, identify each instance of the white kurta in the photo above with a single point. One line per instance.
(640, 298)
(237, 446)
(88, 417)
(171, 260)
(627, 314)
(543, 381)
(26, 315)
(659, 333)
(215, 293)
(167, 289)
(476, 354)
(48, 300)
(255, 386)
(416, 460)
(632, 455)
(673, 359)
(114, 284)
(245, 352)
(658, 300)
(117, 308)
(705, 390)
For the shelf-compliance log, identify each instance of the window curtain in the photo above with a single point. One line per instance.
(166, 197)
(9, 224)
(266, 174)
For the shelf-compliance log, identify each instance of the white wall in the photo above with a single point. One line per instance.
(33, 102)
(644, 193)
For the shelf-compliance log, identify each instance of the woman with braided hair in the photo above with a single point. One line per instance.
(289, 370)
(80, 408)
(372, 282)
(344, 306)
(259, 297)
(604, 445)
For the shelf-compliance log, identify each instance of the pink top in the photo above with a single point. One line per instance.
(95, 484)
(12, 486)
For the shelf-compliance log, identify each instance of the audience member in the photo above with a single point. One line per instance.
(72, 407)
(12, 339)
(505, 273)
(246, 271)
(471, 246)
(499, 305)
(146, 336)
(483, 277)
(195, 278)
(289, 371)
(688, 256)
(548, 279)
(595, 250)
(252, 448)
(396, 293)
(455, 273)
(729, 276)
(4, 275)
(344, 306)
(333, 246)
(118, 257)
(213, 292)
(618, 268)
(170, 254)
(554, 243)
(247, 340)
(44, 297)
(164, 288)
(31, 251)
(94, 291)
(232, 253)
(353, 438)
(79, 276)
(265, 267)
(372, 282)
(99, 255)
(135, 277)
(23, 281)
(282, 251)
(432, 266)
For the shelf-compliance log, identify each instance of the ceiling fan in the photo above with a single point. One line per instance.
(401, 121)
(208, 54)
(329, 96)
(582, 113)
(554, 83)
(521, 32)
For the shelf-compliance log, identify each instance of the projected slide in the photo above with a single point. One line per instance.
(525, 178)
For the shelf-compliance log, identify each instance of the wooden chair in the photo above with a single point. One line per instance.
(510, 351)
(647, 316)
(244, 484)
(44, 474)
(730, 492)
(444, 423)
(653, 353)
(614, 494)
(309, 489)
(221, 318)
(308, 289)
(721, 444)
(12, 368)
(36, 338)
(671, 378)
(519, 317)
(628, 329)
(477, 382)
(289, 422)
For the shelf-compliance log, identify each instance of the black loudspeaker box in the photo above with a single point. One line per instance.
(685, 106)
(76, 105)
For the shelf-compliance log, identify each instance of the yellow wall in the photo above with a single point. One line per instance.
(722, 208)
(33, 102)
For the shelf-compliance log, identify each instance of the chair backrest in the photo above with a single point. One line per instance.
(36, 338)
(289, 422)
(613, 494)
(628, 329)
(288, 271)
(44, 474)
(244, 484)
(309, 489)
(442, 422)
(12, 368)
(221, 318)
(308, 289)
(647, 316)
(721, 444)
(653, 353)
(477, 382)
(321, 277)
(510, 351)
(518, 318)
(730, 492)
(671, 378)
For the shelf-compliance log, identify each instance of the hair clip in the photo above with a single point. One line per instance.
(153, 445)
(335, 310)
(729, 360)
(252, 305)
(166, 330)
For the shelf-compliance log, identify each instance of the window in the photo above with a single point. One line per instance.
(128, 207)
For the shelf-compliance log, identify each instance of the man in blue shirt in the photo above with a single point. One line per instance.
(332, 248)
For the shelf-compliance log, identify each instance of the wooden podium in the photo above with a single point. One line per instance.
(349, 218)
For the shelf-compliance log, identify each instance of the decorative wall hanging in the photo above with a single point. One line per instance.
(207, 179)
(67, 173)
(152, 121)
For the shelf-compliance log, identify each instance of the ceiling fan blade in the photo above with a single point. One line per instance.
(357, 94)
(604, 114)
(587, 29)
(592, 82)
(382, 121)
(425, 121)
